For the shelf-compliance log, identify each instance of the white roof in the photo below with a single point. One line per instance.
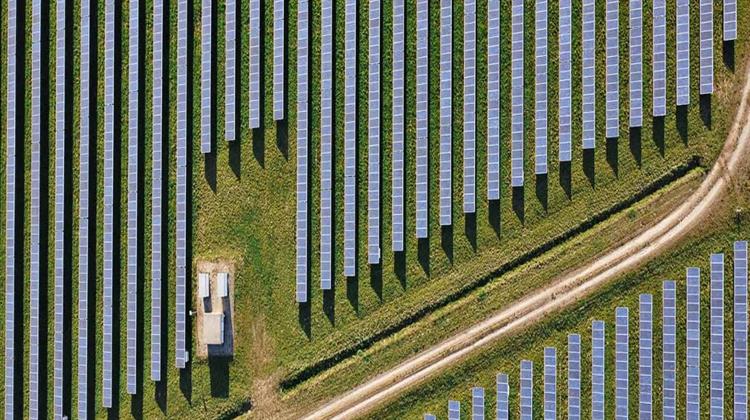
(204, 285)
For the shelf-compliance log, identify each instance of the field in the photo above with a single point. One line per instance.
(243, 207)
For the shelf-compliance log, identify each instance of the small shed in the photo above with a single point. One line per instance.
(204, 285)
(223, 284)
(213, 328)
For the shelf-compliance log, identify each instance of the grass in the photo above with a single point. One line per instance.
(243, 201)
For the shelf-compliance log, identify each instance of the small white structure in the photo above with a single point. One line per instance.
(223, 284)
(213, 328)
(204, 285)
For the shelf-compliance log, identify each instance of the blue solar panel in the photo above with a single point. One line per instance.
(597, 370)
(683, 52)
(422, 110)
(565, 80)
(398, 145)
(706, 47)
(613, 69)
(454, 410)
(659, 64)
(503, 396)
(621, 363)
(516, 92)
(740, 330)
(589, 74)
(279, 30)
(636, 63)
(470, 59)
(717, 337)
(493, 100)
(693, 344)
(429, 417)
(181, 211)
(256, 12)
(350, 139)
(527, 390)
(373, 136)
(206, 74)
(302, 148)
(230, 70)
(730, 20)
(326, 146)
(446, 122)
(645, 357)
(540, 114)
(669, 345)
(550, 383)
(574, 376)
(477, 403)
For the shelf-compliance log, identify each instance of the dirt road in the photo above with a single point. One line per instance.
(650, 243)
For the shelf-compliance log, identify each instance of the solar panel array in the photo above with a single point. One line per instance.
(279, 28)
(302, 147)
(693, 344)
(398, 144)
(230, 69)
(516, 93)
(470, 106)
(659, 64)
(706, 10)
(503, 396)
(740, 330)
(645, 356)
(636, 63)
(597, 370)
(574, 376)
(181, 216)
(621, 363)
(669, 345)
(550, 383)
(493, 99)
(730, 20)
(540, 116)
(446, 140)
(477, 403)
(717, 337)
(373, 136)
(565, 86)
(206, 74)
(254, 29)
(422, 149)
(109, 209)
(157, 180)
(454, 410)
(589, 74)
(613, 69)
(350, 138)
(527, 390)
(326, 145)
(683, 52)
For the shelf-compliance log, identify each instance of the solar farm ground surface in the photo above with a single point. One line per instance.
(243, 206)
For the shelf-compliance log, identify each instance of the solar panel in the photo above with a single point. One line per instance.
(470, 60)
(493, 99)
(645, 357)
(454, 410)
(256, 12)
(669, 359)
(206, 75)
(540, 115)
(527, 390)
(613, 69)
(683, 52)
(660, 58)
(279, 28)
(597, 370)
(477, 403)
(157, 180)
(636, 63)
(429, 417)
(740, 330)
(706, 47)
(693, 344)
(350, 138)
(230, 70)
(717, 337)
(589, 74)
(574, 376)
(302, 151)
(565, 80)
(398, 145)
(181, 213)
(326, 146)
(621, 363)
(730, 20)
(503, 396)
(422, 148)
(516, 92)
(550, 383)
(446, 140)
(373, 137)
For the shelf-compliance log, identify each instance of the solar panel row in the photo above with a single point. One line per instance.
(527, 390)
(477, 403)
(669, 346)
(550, 383)
(706, 9)
(398, 145)
(516, 93)
(470, 70)
(326, 145)
(454, 410)
(422, 148)
(230, 69)
(157, 180)
(645, 357)
(255, 62)
(612, 120)
(636, 63)
(683, 52)
(503, 396)
(574, 376)
(730, 20)
(659, 64)
(302, 147)
(279, 29)
(206, 73)
(540, 115)
(565, 80)
(373, 136)
(717, 337)
(589, 74)
(693, 345)
(446, 108)
(350, 138)
(740, 330)
(597, 370)
(181, 214)
(621, 363)
(493, 99)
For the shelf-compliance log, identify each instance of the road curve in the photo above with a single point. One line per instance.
(565, 291)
